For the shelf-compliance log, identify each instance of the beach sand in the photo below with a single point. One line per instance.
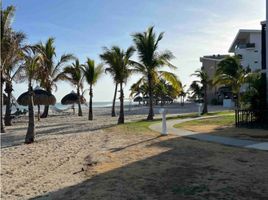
(68, 123)
(73, 158)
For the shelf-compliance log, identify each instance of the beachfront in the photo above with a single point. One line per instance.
(75, 159)
(68, 123)
(107, 100)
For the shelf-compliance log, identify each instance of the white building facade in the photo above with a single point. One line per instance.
(247, 45)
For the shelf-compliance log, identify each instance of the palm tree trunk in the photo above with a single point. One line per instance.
(8, 90)
(46, 108)
(73, 109)
(1, 103)
(31, 129)
(45, 112)
(90, 113)
(150, 88)
(238, 100)
(205, 107)
(121, 118)
(113, 107)
(38, 112)
(79, 103)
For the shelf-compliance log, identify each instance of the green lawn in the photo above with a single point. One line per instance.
(143, 125)
(195, 115)
(224, 120)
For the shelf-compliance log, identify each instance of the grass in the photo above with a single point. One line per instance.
(143, 125)
(195, 115)
(224, 120)
(139, 126)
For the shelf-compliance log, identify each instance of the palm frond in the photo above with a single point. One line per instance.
(172, 78)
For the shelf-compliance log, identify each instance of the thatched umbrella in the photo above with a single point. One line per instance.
(41, 97)
(71, 99)
(138, 99)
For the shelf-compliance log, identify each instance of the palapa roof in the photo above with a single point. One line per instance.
(72, 98)
(41, 97)
(138, 99)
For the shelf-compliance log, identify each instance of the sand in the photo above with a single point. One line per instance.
(67, 123)
(73, 158)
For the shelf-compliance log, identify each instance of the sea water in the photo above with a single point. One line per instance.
(97, 104)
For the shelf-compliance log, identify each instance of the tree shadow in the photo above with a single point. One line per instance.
(188, 170)
(113, 150)
(242, 133)
(16, 138)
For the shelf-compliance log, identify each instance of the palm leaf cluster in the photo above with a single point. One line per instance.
(162, 90)
(246, 86)
(92, 74)
(12, 45)
(151, 61)
(231, 73)
(119, 63)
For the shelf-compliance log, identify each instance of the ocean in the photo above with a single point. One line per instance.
(97, 104)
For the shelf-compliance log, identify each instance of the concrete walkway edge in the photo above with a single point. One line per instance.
(207, 137)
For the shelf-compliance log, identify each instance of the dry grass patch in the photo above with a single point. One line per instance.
(224, 126)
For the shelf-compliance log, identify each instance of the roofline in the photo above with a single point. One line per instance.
(213, 59)
(242, 31)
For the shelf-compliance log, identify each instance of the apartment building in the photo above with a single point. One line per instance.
(210, 65)
(247, 46)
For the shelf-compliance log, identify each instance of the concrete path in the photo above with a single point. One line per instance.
(207, 137)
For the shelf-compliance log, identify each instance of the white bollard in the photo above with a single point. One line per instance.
(164, 123)
(199, 108)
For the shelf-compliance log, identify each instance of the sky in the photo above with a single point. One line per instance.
(193, 28)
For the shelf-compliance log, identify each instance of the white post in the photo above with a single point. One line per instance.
(130, 104)
(199, 108)
(164, 122)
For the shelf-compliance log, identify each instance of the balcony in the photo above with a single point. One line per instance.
(246, 46)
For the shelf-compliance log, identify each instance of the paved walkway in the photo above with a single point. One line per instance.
(207, 137)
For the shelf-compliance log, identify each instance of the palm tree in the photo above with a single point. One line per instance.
(205, 83)
(74, 74)
(150, 61)
(50, 71)
(195, 91)
(183, 94)
(108, 58)
(114, 99)
(119, 67)
(31, 66)
(92, 74)
(139, 88)
(162, 89)
(6, 19)
(252, 97)
(232, 74)
(13, 55)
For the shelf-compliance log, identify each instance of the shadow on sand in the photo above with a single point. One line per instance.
(189, 169)
(8, 139)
